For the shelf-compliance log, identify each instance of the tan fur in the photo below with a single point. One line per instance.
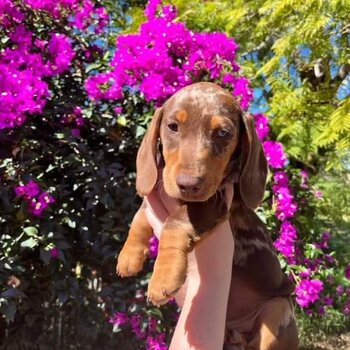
(217, 122)
(181, 117)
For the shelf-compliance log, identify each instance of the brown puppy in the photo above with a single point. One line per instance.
(199, 141)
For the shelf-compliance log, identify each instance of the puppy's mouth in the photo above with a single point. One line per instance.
(200, 196)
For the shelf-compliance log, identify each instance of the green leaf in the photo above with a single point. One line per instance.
(31, 231)
(29, 243)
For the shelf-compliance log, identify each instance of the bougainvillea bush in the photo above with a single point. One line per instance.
(75, 99)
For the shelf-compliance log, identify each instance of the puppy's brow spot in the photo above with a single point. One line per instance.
(181, 116)
(216, 122)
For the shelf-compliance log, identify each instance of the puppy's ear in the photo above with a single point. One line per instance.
(252, 180)
(146, 162)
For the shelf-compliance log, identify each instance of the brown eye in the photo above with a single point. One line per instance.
(173, 127)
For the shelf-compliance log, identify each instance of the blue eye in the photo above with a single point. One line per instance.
(223, 133)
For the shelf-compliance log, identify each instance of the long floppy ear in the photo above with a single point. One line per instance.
(146, 162)
(252, 180)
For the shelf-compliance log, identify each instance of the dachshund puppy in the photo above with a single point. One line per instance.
(199, 142)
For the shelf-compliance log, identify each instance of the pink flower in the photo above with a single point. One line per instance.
(36, 208)
(135, 322)
(151, 9)
(153, 247)
(286, 241)
(54, 252)
(318, 194)
(118, 110)
(286, 206)
(156, 343)
(261, 126)
(347, 272)
(308, 291)
(45, 198)
(119, 319)
(30, 190)
(281, 179)
(276, 158)
(61, 52)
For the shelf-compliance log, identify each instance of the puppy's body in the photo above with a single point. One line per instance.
(206, 143)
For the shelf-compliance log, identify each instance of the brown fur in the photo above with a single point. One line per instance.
(206, 139)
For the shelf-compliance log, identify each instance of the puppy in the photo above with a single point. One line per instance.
(199, 142)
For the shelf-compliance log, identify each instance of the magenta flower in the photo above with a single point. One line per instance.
(151, 9)
(118, 110)
(54, 252)
(153, 247)
(61, 53)
(164, 57)
(9, 13)
(308, 291)
(328, 300)
(286, 241)
(340, 289)
(119, 318)
(30, 190)
(261, 126)
(156, 343)
(318, 194)
(135, 322)
(88, 16)
(36, 208)
(45, 198)
(276, 158)
(30, 193)
(346, 308)
(281, 179)
(347, 272)
(286, 206)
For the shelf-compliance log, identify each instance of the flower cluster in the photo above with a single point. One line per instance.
(276, 158)
(89, 16)
(38, 200)
(285, 203)
(153, 247)
(9, 14)
(54, 8)
(164, 57)
(75, 120)
(261, 126)
(308, 291)
(151, 336)
(24, 67)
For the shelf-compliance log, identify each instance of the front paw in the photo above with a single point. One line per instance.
(164, 284)
(131, 259)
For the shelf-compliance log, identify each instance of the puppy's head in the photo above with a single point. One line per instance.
(205, 138)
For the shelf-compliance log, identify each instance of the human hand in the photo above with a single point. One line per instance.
(204, 295)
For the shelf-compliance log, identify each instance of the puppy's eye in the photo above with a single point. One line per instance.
(173, 127)
(223, 133)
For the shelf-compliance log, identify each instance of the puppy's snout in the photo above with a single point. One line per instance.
(189, 184)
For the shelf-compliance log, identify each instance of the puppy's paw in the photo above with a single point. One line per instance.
(131, 259)
(164, 285)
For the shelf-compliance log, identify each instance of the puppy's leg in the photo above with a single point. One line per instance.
(188, 225)
(276, 328)
(170, 268)
(136, 247)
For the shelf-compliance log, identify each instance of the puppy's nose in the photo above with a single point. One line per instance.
(188, 184)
